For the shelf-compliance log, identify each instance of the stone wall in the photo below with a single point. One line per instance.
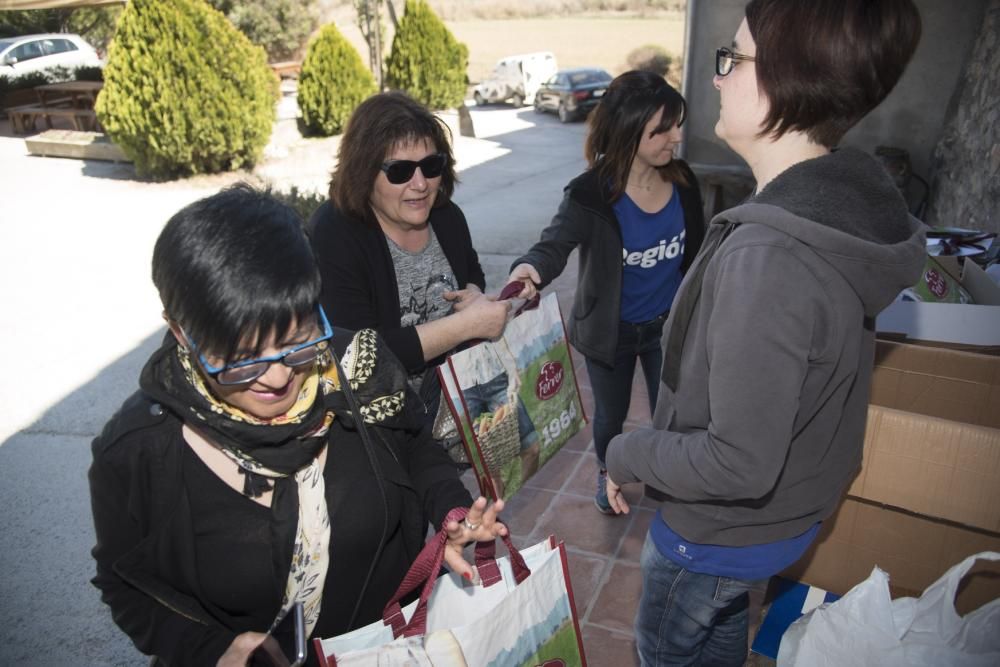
(965, 188)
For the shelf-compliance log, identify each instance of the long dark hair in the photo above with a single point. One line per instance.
(377, 126)
(617, 124)
(235, 267)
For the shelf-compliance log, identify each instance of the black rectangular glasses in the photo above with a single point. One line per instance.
(726, 59)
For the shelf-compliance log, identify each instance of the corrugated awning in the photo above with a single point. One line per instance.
(55, 4)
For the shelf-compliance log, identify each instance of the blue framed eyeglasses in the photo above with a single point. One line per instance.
(248, 370)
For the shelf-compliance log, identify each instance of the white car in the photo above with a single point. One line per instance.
(516, 78)
(32, 53)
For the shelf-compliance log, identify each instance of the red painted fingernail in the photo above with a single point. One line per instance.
(467, 576)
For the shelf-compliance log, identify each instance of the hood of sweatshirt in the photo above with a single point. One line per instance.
(847, 209)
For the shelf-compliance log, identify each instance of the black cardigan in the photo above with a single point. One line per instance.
(359, 280)
(586, 219)
(145, 548)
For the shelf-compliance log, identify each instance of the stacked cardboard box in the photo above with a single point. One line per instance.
(928, 494)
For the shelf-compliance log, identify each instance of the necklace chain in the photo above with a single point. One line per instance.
(647, 188)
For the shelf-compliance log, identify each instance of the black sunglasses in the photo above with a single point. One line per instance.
(401, 171)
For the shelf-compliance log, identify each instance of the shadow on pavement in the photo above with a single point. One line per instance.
(50, 613)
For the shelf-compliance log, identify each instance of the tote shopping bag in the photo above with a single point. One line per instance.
(515, 400)
(521, 613)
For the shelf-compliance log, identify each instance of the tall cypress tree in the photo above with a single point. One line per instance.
(333, 82)
(426, 60)
(185, 92)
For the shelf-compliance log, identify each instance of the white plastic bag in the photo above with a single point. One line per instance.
(867, 627)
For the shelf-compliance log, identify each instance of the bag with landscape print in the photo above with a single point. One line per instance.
(515, 400)
(519, 613)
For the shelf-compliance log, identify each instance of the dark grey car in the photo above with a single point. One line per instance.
(572, 93)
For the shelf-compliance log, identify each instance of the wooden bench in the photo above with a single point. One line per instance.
(287, 69)
(23, 118)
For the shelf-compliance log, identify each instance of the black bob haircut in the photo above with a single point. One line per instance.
(234, 268)
(824, 64)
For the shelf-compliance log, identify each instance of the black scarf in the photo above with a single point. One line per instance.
(281, 447)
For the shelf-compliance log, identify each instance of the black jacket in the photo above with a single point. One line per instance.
(359, 280)
(586, 219)
(145, 548)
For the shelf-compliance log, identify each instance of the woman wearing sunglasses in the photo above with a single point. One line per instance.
(394, 251)
(636, 215)
(769, 348)
(243, 476)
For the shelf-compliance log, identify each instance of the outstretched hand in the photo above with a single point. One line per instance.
(528, 276)
(480, 525)
(461, 298)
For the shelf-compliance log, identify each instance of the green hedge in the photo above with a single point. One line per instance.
(332, 83)
(426, 60)
(184, 91)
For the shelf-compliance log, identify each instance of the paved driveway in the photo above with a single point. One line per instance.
(80, 316)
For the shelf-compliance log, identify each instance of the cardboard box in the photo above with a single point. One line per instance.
(973, 326)
(928, 493)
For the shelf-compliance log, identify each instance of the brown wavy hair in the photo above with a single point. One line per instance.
(617, 124)
(376, 127)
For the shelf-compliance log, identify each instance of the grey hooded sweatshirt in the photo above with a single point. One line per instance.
(764, 429)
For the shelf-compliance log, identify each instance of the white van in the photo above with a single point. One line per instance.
(516, 78)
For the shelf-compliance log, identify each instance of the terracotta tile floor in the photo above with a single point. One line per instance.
(603, 550)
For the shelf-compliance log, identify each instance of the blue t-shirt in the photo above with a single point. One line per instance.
(755, 561)
(652, 252)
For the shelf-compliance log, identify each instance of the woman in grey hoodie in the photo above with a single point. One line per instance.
(769, 347)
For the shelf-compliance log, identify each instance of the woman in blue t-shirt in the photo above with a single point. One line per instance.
(636, 216)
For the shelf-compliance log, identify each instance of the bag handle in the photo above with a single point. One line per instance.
(511, 290)
(426, 567)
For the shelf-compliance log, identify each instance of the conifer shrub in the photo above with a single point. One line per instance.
(426, 60)
(650, 58)
(185, 92)
(332, 83)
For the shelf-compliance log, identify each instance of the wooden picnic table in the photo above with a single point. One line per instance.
(81, 94)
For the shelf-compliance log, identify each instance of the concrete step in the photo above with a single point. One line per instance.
(74, 144)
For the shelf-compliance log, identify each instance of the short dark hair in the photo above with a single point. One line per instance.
(378, 125)
(824, 64)
(617, 124)
(234, 266)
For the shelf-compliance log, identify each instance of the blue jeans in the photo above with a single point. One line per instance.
(687, 618)
(490, 395)
(613, 386)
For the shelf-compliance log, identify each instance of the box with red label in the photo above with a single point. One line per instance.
(972, 326)
(936, 285)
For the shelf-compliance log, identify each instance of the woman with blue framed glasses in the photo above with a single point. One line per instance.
(394, 251)
(248, 473)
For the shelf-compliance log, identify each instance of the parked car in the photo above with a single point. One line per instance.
(32, 53)
(516, 79)
(572, 93)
